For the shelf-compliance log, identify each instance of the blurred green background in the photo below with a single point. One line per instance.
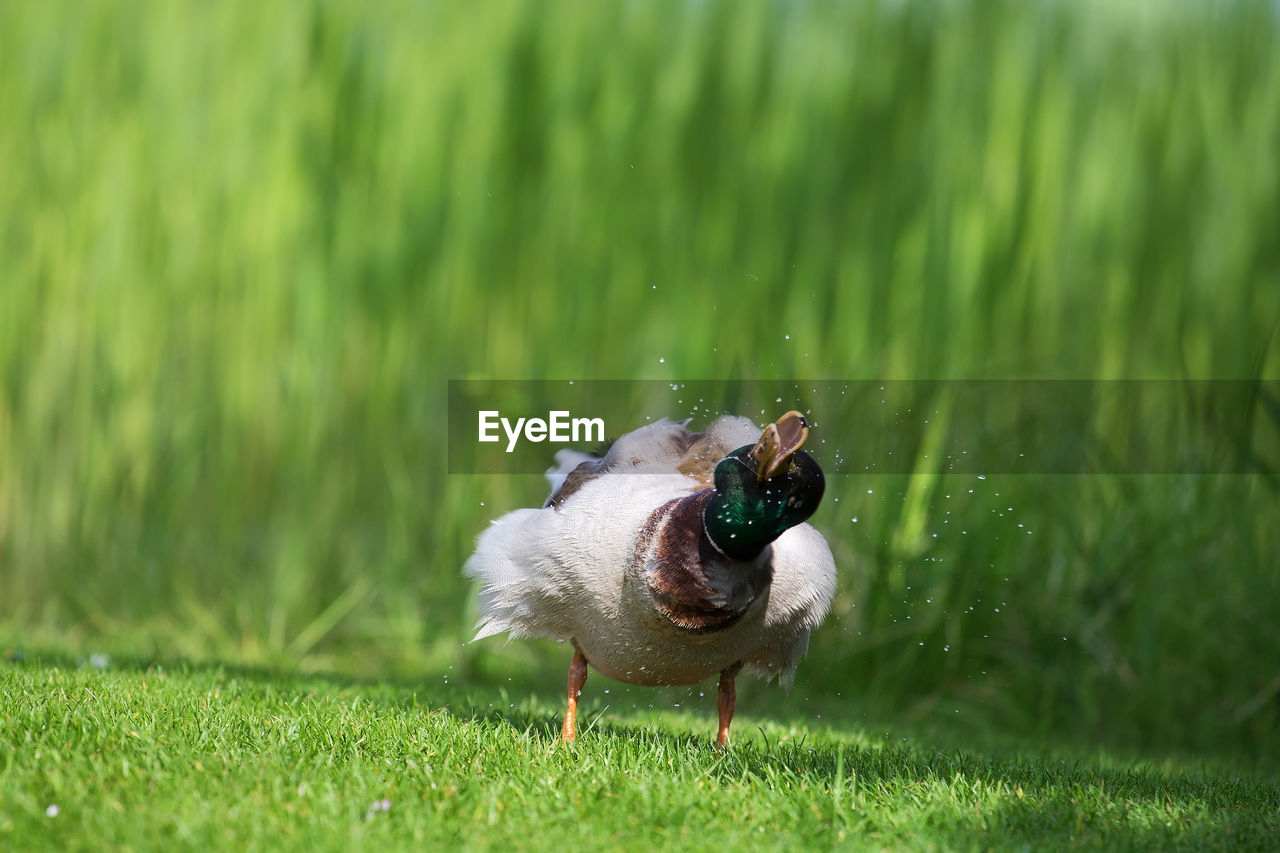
(243, 247)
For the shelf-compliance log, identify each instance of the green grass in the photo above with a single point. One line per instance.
(223, 757)
(243, 248)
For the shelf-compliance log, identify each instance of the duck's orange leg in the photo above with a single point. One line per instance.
(726, 697)
(577, 678)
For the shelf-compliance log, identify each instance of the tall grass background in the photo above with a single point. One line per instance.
(244, 246)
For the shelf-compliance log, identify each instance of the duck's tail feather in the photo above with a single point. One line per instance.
(514, 592)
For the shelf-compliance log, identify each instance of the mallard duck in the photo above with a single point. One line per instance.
(675, 557)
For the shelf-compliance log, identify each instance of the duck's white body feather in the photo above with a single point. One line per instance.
(581, 571)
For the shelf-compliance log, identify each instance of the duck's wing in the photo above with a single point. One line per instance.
(571, 472)
(653, 448)
(725, 435)
(662, 447)
(567, 462)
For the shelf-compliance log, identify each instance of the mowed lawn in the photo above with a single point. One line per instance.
(177, 757)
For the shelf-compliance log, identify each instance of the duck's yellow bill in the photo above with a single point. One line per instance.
(779, 441)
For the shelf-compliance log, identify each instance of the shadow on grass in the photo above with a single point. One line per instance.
(473, 691)
(968, 796)
(1019, 798)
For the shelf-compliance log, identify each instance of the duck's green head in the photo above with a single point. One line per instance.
(764, 489)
